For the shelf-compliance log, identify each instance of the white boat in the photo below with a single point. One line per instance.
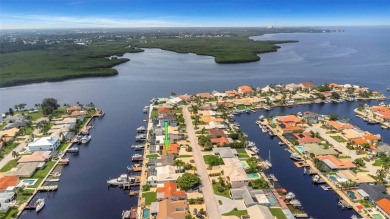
(299, 114)
(264, 129)
(39, 204)
(261, 117)
(141, 129)
(85, 139)
(296, 203)
(381, 103)
(126, 214)
(137, 157)
(140, 138)
(271, 134)
(254, 149)
(64, 161)
(290, 195)
(73, 150)
(281, 143)
(123, 178)
(268, 162)
(316, 178)
(296, 156)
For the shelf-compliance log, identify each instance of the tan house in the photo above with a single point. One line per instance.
(169, 209)
(234, 172)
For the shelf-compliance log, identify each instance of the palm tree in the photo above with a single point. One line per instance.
(178, 163)
(14, 154)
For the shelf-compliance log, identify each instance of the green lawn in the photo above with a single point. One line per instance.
(213, 160)
(40, 174)
(152, 155)
(62, 147)
(366, 203)
(237, 213)
(149, 197)
(183, 156)
(9, 214)
(154, 113)
(245, 156)
(378, 162)
(225, 193)
(338, 138)
(36, 115)
(278, 213)
(24, 195)
(241, 150)
(11, 164)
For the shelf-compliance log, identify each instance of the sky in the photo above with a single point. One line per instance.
(38, 14)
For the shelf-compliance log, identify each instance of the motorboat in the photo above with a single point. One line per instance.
(73, 150)
(261, 117)
(299, 114)
(141, 129)
(39, 204)
(296, 203)
(140, 138)
(315, 178)
(64, 161)
(270, 133)
(290, 195)
(254, 149)
(138, 147)
(137, 157)
(281, 143)
(85, 139)
(264, 130)
(122, 179)
(126, 214)
(296, 156)
(250, 144)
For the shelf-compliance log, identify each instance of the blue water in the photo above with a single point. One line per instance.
(253, 175)
(271, 201)
(333, 179)
(359, 55)
(31, 182)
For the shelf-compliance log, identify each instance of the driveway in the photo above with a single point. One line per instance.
(207, 189)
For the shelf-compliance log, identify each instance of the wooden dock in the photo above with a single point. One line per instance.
(48, 188)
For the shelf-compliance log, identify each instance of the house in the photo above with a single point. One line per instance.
(169, 190)
(245, 90)
(185, 97)
(311, 118)
(231, 93)
(175, 100)
(307, 85)
(383, 148)
(9, 134)
(383, 206)
(166, 159)
(44, 144)
(331, 162)
(73, 108)
(292, 87)
(169, 209)
(381, 112)
(8, 181)
(219, 94)
(305, 138)
(80, 115)
(334, 85)
(337, 125)
(249, 196)
(37, 156)
(24, 169)
(17, 124)
(5, 200)
(204, 95)
(373, 193)
(234, 172)
(288, 124)
(15, 118)
(173, 149)
(222, 141)
(259, 212)
(225, 152)
(353, 133)
(170, 118)
(164, 174)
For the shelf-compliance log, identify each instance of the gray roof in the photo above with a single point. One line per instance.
(383, 148)
(24, 169)
(6, 197)
(258, 211)
(375, 192)
(166, 159)
(225, 152)
(246, 193)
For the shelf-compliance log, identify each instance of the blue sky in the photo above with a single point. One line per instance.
(34, 14)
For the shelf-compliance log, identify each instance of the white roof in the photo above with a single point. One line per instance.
(43, 141)
(259, 212)
(262, 199)
(175, 100)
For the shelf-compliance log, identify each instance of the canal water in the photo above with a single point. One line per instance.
(317, 202)
(359, 55)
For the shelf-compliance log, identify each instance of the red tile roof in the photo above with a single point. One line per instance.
(305, 138)
(340, 164)
(173, 149)
(220, 141)
(7, 181)
(164, 110)
(170, 190)
(289, 119)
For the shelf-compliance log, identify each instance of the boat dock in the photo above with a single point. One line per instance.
(272, 177)
(52, 180)
(133, 192)
(48, 188)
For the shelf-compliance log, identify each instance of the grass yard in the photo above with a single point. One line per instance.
(152, 156)
(40, 174)
(237, 213)
(149, 197)
(338, 138)
(278, 213)
(11, 164)
(225, 193)
(378, 162)
(9, 214)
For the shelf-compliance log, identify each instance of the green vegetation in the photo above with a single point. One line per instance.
(366, 203)
(213, 160)
(184, 156)
(41, 174)
(278, 213)
(188, 181)
(23, 195)
(60, 62)
(9, 214)
(378, 162)
(152, 156)
(11, 164)
(236, 212)
(259, 184)
(220, 190)
(62, 147)
(241, 153)
(237, 49)
(338, 138)
(149, 197)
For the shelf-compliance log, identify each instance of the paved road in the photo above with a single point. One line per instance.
(339, 146)
(208, 193)
(9, 157)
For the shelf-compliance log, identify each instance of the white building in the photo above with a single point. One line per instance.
(44, 144)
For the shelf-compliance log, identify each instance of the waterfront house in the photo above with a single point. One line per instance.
(5, 200)
(288, 124)
(44, 144)
(225, 152)
(170, 118)
(305, 138)
(318, 150)
(222, 141)
(175, 100)
(37, 156)
(249, 196)
(169, 190)
(258, 212)
(381, 112)
(332, 163)
(165, 159)
(164, 174)
(334, 85)
(80, 115)
(204, 95)
(231, 93)
(338, 125)
(383, 206)
(292, 87)
(15, 118)
(72, 109)
(245, 90)
(17, 124)
(8, 181)
(185, 98)
(383, 148)
(307, 85)
(173, 149)
(234, 172)
(169, 209)
(218, 125)
(373, 193)
(219, 94)
(24, 169)
(353, 133)
(311, 117)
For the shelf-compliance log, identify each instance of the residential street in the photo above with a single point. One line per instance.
(208, 194)
(9, 157)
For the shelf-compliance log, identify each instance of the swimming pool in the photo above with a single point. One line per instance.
(146, 213)
(253, 175)
(243, 164)
(377, 216)
(301, 149)
(333, 179)
(29, 182)
(271, 201)
(351, 194)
